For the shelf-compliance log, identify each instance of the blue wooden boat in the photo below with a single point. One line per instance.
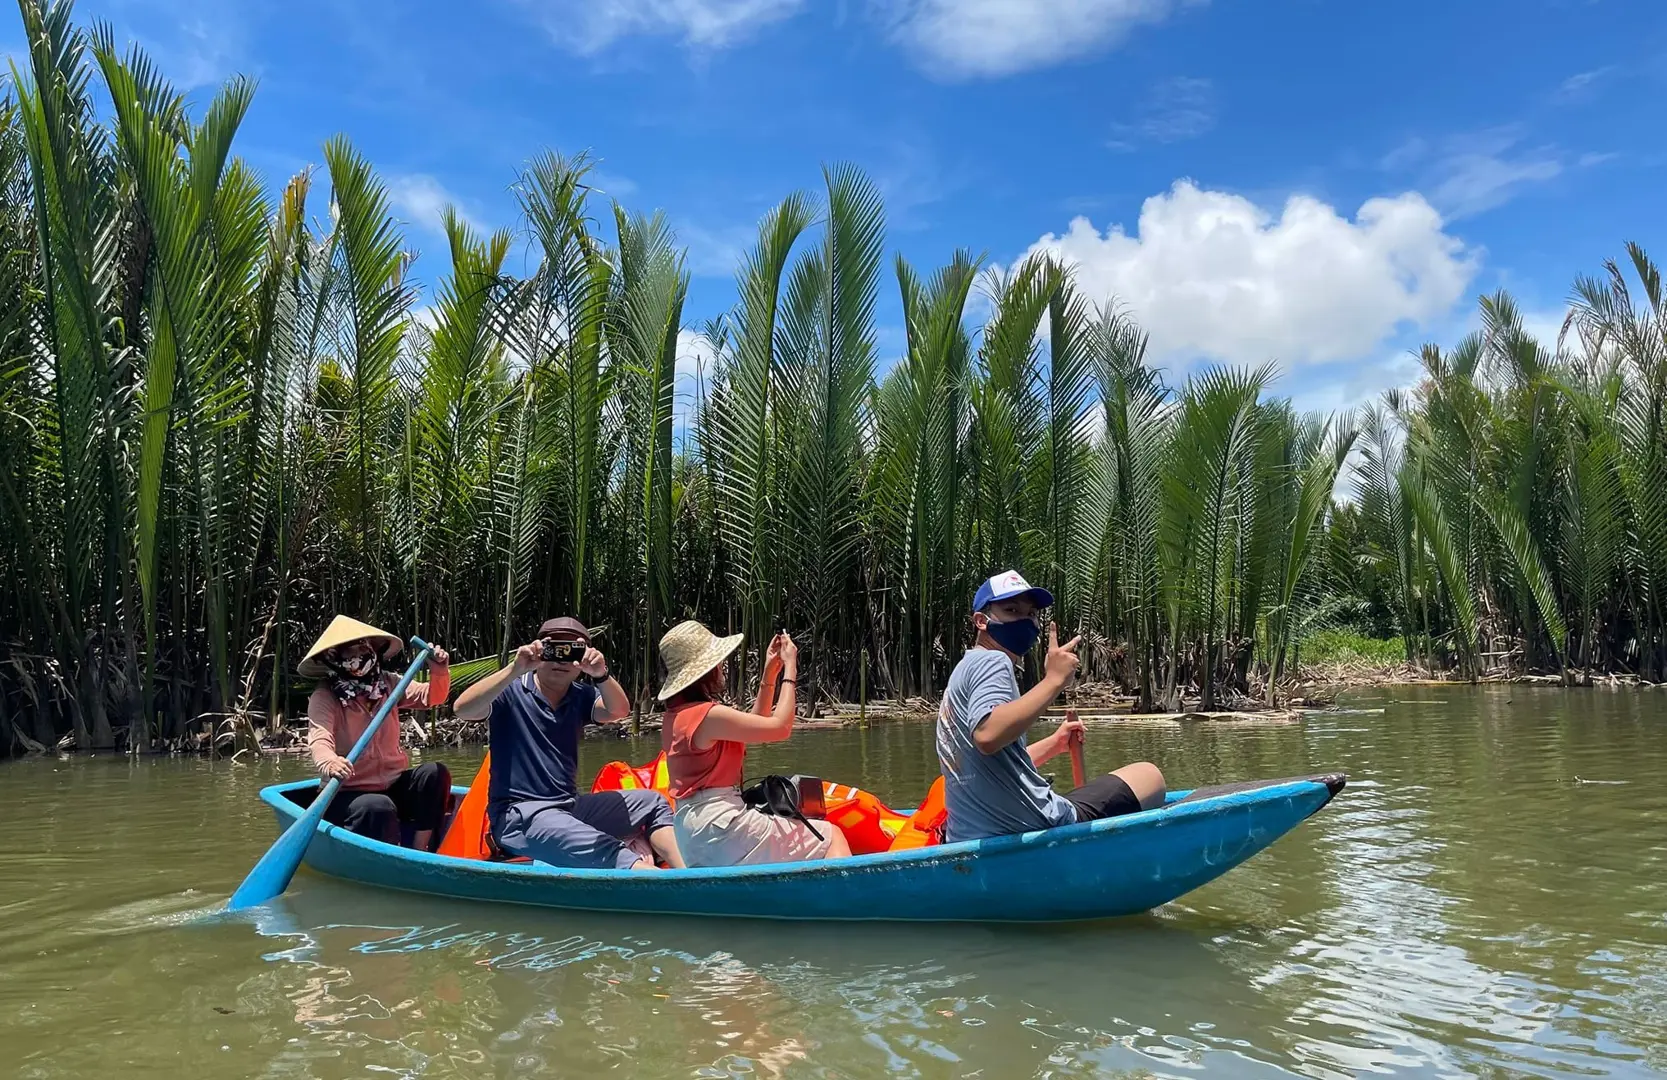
(1092, 870)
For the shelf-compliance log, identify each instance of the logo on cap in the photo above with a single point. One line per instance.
(1006, 584)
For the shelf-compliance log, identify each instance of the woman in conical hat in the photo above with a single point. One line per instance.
(381, 792)
(706, 747)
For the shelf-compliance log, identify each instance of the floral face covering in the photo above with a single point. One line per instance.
(357, 677)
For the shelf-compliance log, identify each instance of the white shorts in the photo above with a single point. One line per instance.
(714, 827)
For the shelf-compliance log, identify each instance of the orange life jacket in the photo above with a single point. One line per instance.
(868, 824)
(925, 826)
(621, 776)
(470, 834)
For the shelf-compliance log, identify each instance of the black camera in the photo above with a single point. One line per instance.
(563, 652)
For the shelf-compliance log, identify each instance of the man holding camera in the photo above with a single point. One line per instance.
(536, 708)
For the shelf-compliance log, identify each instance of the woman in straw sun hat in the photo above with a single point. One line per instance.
(381, 791)
(706, 747)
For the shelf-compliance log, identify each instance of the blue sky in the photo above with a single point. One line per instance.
(1323, 183)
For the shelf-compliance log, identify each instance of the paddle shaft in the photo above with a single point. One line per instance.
(1079, 774)
(271, 876)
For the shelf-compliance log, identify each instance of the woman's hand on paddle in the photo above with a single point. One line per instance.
(337, 768)
(439, 658)
(1062, 660)
(1070, 734)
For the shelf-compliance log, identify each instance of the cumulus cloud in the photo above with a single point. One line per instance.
(589, 26)
(984, 38)
(1211, 275)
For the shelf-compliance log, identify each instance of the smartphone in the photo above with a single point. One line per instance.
(563, 652)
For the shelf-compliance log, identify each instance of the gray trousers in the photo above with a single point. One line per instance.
(588, 832)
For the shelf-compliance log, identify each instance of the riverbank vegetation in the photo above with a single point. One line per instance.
(225, 414)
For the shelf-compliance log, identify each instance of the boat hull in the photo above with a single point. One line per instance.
(1092, 870)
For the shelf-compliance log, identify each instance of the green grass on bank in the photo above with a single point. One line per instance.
(1341, 646)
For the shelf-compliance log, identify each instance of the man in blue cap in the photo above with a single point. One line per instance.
(991, 786)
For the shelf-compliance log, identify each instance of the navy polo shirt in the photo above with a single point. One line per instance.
(535, 746)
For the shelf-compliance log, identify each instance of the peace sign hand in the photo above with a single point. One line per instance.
(1062, 660)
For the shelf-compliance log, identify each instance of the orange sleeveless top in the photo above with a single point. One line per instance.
(689, 769)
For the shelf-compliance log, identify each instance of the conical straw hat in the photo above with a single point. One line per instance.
(689, 651)
(341, 631)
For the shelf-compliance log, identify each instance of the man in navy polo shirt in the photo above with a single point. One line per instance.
(536, 710)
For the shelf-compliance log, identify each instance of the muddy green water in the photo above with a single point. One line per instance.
(1488, 897)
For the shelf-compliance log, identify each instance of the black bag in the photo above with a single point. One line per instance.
(780, 796)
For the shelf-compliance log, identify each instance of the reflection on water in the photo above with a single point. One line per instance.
(1465, 907)
(520, 990)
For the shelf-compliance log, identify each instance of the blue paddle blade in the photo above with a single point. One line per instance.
(271, 876)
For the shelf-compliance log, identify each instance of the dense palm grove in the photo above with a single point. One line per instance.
(222, 420)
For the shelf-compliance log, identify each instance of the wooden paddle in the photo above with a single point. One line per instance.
(1079, 775)
(271, 876)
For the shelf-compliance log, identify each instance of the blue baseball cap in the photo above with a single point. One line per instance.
(1005, 586)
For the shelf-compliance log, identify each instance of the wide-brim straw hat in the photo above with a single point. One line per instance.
(689, 651)
(341, 631)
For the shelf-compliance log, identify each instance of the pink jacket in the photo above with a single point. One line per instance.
(333, 729)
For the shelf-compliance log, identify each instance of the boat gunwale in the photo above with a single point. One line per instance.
(1173, 811)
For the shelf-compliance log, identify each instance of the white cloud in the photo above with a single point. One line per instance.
(1483, 181)
(423, 200)
(1173, 110)
(1544, 326)
(974, 38)
(589, 26)
(1472, 173)
(195, 44)
(952, 38)
(614, 187)
(1211, 275)
(1580, 84)
(696, 356)
(1330, 388)
(716, 252)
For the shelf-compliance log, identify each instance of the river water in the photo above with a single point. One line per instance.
(1488, 897)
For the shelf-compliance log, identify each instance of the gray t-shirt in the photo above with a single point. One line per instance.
(989, 794)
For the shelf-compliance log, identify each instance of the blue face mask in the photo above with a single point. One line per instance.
(1017, 637)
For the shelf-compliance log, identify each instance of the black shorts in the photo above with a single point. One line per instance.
(1104, 796)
